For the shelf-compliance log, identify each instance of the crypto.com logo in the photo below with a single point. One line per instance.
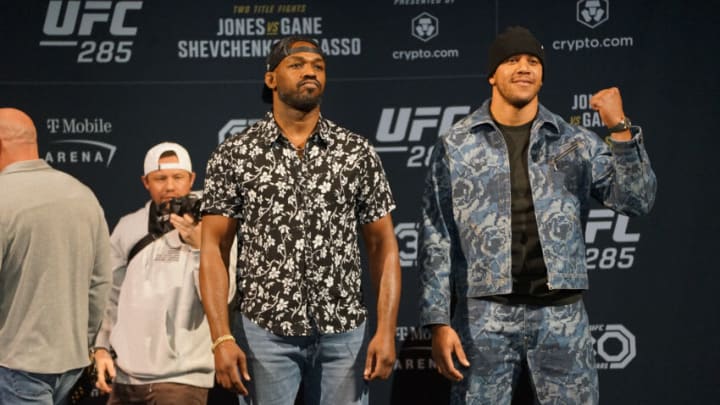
(234, 126)
(592, 13)
(425, 27)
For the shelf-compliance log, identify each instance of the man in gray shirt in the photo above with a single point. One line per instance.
(54, 273)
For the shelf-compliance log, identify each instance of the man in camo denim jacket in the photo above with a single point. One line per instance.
(505, 204)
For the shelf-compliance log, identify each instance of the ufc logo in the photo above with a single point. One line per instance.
(394, 123)
(606, 220)
(82, 19)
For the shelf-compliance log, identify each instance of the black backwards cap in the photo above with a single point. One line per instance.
(281, 50)
(514, 41)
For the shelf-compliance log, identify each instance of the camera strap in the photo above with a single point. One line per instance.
(156, 229)
(140, 245)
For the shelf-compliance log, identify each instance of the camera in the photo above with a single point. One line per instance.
(189, 204)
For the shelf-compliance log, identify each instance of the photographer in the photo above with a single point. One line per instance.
(155, 322)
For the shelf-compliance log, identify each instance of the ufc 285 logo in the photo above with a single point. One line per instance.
(412, 131)
(79, 24)
(621, 252)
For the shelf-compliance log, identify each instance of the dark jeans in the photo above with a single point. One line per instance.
(157, 394)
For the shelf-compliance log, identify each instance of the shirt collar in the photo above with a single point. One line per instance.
(272, 133)
(25, 166)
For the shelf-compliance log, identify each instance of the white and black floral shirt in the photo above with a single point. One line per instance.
(299, 261)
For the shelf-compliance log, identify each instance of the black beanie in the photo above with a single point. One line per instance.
(514, 41)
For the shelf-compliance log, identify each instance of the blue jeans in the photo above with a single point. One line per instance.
(555, 342)
(24, 388)
(330, 367)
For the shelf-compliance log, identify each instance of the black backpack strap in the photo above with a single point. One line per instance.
(140, 245)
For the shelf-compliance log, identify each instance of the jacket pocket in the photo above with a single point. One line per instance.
(564, 153)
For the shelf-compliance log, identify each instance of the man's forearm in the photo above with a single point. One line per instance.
(214, 283)
(218, 233)
(387, 279)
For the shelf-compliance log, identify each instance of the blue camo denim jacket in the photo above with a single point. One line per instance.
(466, 234)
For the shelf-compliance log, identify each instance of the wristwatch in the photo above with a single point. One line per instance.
(623, 125)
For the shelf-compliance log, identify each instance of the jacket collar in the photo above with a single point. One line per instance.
(544, 117)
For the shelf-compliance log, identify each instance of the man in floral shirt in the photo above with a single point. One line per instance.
(294, 187)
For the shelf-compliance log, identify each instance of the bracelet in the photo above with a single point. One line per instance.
(221, 339)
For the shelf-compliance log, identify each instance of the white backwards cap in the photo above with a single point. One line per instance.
(153, 156)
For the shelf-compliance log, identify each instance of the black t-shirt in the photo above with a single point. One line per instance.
(528, 266)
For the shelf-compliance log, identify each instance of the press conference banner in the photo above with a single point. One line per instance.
(106, 80)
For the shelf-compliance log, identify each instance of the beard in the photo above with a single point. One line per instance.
(300, 100)
(518, 102)
(515, 99)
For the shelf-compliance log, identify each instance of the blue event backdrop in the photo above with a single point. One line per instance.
(105, 80)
